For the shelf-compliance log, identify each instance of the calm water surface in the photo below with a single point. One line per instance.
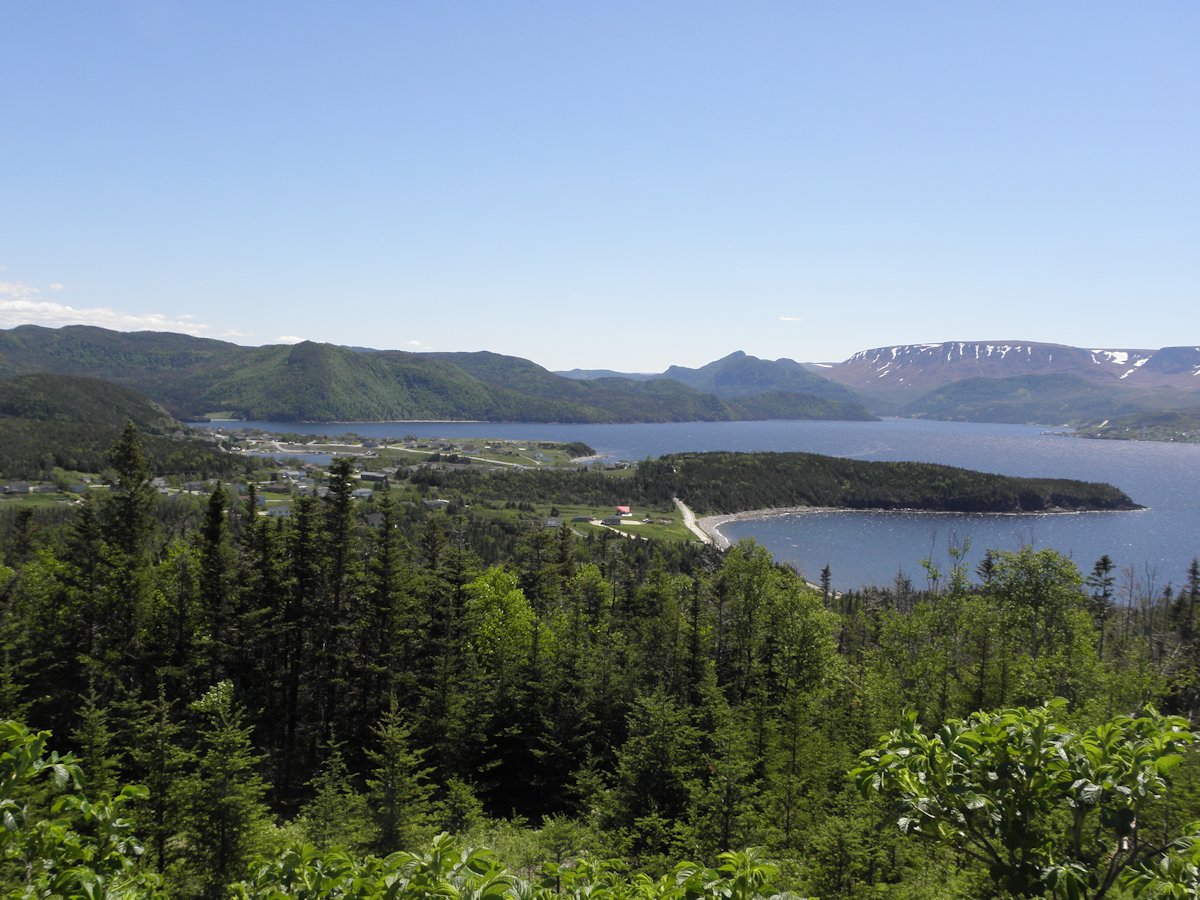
(870, 548)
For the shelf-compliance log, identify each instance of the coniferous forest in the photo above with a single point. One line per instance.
(202, 701)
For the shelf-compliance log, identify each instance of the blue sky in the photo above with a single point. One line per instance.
(621, 185)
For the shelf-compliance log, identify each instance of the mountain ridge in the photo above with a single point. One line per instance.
(995, 381)
(310, 381)
(910, 368)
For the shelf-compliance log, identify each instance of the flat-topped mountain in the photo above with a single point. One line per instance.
(912, 369)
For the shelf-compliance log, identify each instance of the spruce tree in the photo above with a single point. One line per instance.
(398, 788)
(222, 799)
(215, 571)
(158, 762)
(337, 815)
(94, 739)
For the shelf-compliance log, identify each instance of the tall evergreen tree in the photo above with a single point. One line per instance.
(223, 813)
(398, 785)
(128, 510)
(215, 587)
(1101, 583)
(158, 764)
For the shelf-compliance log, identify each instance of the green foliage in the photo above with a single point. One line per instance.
(1045, 399)
(222, 798)
(64, 422)
(721, 482)
(398, 789)
(561, 698)
(502, 625)
(39, 450)
(1175, 874)
(1181, 426)
(1045, 808)
(451, 871)
(337, 815)
(54, 841)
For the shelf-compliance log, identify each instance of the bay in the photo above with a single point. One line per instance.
(1152, 546)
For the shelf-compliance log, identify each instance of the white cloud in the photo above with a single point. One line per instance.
(21, 304)
(416, 346)
(288, 339)
(790, 319)
(56, 285)
(15, 290)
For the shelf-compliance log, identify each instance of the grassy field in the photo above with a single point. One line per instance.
(663, 525)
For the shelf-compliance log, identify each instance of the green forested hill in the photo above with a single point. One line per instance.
(742, 375)
(70, 422)
(785, 405)
(1163, 426)
(171, 369)
(322, 382)
(80, 401)
(1045, 399)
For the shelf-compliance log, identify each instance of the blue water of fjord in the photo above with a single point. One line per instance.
(1156, 544)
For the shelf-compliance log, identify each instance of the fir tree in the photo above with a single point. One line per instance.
(222, 800)
(337, 815)
(398, 788)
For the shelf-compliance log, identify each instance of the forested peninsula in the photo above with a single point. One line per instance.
(725, 483)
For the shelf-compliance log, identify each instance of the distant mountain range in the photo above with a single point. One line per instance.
(194, 377)
(1014, 381)
(983, 381)
(997, 381)
(913, 368)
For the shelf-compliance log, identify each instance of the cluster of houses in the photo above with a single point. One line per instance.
(45, 487)
(619, 517)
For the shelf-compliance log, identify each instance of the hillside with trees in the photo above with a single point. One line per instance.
(308, 381)
(305, 702)
(69, 423)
